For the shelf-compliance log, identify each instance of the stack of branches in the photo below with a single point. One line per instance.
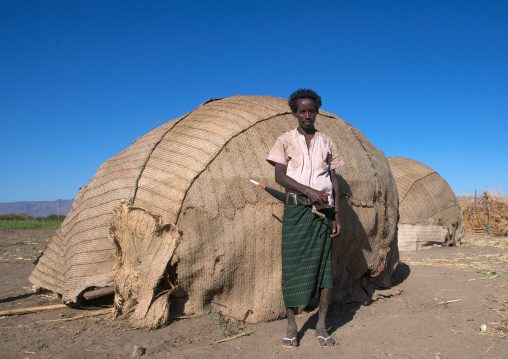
(486, 213)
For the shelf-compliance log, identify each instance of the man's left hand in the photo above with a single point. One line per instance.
(336, 227)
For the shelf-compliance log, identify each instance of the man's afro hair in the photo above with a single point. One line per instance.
(303, 93)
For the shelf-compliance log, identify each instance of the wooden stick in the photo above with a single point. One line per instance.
(79, 316)
(470, 280)
(31, 309)
(450, 301)
(405, 355)
(234, 337)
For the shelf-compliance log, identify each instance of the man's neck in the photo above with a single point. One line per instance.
(308, 134)
(304, 132)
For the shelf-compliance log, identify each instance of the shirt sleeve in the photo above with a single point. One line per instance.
(278, 153)
(336, 160)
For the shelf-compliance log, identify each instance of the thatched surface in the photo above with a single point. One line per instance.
(81, 255)
(425, 201)
(191, 175)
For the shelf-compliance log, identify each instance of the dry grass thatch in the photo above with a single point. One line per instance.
(429, 211)
(486, 213)
(173, 221)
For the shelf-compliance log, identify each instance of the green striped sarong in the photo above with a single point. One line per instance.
(306, 254)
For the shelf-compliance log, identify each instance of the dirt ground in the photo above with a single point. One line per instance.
(411, 320)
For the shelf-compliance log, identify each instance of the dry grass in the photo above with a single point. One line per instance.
(489, 265)
(486, 212)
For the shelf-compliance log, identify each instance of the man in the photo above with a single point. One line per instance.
(305, 161)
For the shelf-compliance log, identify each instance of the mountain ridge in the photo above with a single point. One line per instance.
(38, 208)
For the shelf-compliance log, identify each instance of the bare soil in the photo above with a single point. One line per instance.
(411, 320)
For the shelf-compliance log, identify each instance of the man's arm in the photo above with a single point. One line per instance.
(317, 197)
(336, 220)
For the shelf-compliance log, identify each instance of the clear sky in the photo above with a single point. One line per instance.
(79, 81)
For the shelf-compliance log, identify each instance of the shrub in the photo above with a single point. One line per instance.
(20, 216)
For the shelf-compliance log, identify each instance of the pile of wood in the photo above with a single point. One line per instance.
(485, 214)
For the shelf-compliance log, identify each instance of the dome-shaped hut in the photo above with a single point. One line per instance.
(174, 221)
(429, 211)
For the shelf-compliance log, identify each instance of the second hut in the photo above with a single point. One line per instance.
(429, 211)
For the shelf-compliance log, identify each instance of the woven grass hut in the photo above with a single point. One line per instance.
(173, 223)
(429, 211)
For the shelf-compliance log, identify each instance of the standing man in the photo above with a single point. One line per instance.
(305, 161)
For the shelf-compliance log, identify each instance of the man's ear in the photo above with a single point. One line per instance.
(294, 114)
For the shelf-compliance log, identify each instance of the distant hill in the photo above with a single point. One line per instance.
(38, 208)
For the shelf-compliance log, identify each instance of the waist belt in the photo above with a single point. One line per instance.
(297, 199)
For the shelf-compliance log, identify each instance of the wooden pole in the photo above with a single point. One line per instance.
(31, 309)
(488, 210)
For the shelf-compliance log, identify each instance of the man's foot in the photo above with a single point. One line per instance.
(289, 342)
(326, 341)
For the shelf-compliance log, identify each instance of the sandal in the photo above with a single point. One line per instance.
(290, 340)
(325, 344)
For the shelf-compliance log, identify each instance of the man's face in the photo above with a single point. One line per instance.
(306, 113)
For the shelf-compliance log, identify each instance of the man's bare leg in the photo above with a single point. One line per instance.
(291, 340)
(324, 301)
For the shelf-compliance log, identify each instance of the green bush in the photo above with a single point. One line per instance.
(27, 221)
(54, 217)
(20, 216)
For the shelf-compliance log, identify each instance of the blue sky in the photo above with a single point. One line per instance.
(80, 81)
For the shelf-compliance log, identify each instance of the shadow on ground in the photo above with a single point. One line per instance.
(340, 314)
(400, 274)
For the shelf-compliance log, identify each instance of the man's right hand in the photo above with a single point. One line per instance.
(317, 198)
